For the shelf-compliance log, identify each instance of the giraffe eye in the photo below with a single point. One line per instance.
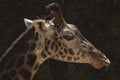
(68, 37)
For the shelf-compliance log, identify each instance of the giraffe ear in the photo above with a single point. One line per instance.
(28, 23)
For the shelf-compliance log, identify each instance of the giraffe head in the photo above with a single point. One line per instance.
(67, 44)
(64, 42)
(76, 47)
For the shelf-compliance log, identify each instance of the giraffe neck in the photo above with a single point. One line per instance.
(25, 63)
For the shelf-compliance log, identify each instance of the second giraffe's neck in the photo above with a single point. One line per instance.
(24, 65)
(38, 52)
(35, 58)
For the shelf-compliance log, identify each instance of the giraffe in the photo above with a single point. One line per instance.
(46, 39)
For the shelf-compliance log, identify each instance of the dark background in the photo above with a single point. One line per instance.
(98, 21)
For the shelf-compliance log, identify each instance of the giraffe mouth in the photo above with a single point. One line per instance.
(100, 63)
(99, 59)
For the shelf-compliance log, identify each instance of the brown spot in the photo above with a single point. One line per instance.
(11, 63)
(56, 34)
(25, 74)
(71, 52)
(36, 66)
(16, 78)
(56, 48)
(61, 37)
(59, 43)
(52, 46)
(53, 57)
(78, 52)
(56, 55)
(61, 47)
(64, 45)
(31, 58)
(12, 73)
(32, 46)
(48, 42)
(63, 56)
(61, 53)
(23, 49)
(43, 54)
(56, 39)
(69, 58)
(83, 56)
(46, 39)
(49, 53)
(76, 58)
(5, 76)
(40, 26)
(19, 62)
(46, 48)
(65, 50)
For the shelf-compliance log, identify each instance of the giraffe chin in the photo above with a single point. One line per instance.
(98, 66)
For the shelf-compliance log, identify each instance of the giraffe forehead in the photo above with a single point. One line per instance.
(44, 22)
(44, 27)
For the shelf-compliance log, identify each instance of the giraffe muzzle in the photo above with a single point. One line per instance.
(106, 62)
(99, 62)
